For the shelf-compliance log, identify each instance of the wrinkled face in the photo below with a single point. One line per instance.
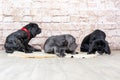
(38, 30)
(71, 42)
(99, 46)
(34, 29)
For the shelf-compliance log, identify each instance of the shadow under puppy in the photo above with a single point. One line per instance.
(60, 45)
(95, 42)
(18, 41)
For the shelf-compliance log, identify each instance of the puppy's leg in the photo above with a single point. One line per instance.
(9, 51)
(26, 49)
(91, 52)
(84, 48)
(91, 49)
(33, 49)
(8, 48)
(71, 52)
(61, 52)
(49, 49)
(55, 50)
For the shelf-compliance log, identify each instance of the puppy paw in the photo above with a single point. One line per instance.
(28, 51)
(89, 53)
(108, 53)
(9, 51)
(60, 55)
(37, 50)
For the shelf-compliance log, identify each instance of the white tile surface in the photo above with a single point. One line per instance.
(105, 67)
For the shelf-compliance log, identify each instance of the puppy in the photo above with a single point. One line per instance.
(18, 41)
(60, 45)
(95, 42)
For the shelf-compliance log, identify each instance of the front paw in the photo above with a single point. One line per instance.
(37, 50)
(90, 53)
(28, 51)
(107, 53)
(60, 55)
(9, 51)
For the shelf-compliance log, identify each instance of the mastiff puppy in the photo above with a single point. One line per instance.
(95, 42)
(60, 45)
(18, 41)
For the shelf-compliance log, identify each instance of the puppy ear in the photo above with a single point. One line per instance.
(70, 39)
(71, 42)
(107, 48)
(65, 43)
(91, 47)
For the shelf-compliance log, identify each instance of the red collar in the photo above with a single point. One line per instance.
(26, 30)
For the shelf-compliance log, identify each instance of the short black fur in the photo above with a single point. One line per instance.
(18, 41)
(95, 42)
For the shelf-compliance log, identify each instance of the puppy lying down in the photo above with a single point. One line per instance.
(18, 41)
(60, 45)
(95, 42)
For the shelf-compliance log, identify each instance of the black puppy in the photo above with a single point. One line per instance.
(95, 42)
(18, 41)
(60, 44)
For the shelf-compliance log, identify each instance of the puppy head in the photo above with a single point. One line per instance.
(33, 29)
(71, 42)
(99, 46)
(72, 47)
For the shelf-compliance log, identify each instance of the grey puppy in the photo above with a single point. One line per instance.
(60, 45)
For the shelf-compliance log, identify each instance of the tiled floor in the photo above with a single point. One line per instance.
(105, 67)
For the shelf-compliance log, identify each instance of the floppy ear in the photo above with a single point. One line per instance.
(107, 48)
(73, 46)
(70, 39)
(33, 32)
(91, 47)
(71, 42)
(65, 43)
